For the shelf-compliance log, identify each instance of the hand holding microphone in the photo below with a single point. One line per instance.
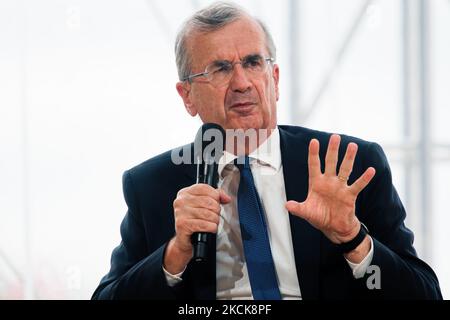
(197, 208)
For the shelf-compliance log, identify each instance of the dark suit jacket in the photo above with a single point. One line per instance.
(150, 189)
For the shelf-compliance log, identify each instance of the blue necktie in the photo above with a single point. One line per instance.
(255, 239)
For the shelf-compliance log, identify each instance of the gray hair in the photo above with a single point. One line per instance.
(209, 19)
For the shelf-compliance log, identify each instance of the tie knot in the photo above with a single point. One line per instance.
(242, 163)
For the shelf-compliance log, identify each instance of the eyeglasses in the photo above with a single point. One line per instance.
(220, 72)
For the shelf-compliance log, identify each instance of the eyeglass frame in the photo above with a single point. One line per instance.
(205, 73)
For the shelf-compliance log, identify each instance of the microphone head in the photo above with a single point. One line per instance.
(209, 143)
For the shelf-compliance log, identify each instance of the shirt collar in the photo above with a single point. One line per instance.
(267, 154)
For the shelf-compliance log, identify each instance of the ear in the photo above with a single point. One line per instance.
(184, 90)
(276, 79)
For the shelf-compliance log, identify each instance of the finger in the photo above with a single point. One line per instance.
(204, 190)
(190, 213)
(224, 198)
(332, 155)
(363, 181)
(201, 226)
(297, 208)
(349, 159)
(313, 159)
(202, 202)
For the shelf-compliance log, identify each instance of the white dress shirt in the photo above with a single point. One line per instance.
(231, 269)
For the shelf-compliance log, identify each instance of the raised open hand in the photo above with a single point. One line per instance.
(330, 205)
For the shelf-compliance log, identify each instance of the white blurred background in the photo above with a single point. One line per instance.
(87, 87)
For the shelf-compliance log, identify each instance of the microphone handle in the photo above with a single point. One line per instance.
(202, 240)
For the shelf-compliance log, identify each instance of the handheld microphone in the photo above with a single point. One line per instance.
(208, 149)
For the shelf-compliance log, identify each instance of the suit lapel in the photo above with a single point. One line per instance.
(305, 238)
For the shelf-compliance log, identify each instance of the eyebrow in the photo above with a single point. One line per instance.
(220, 62)
(253, 56)
(247, 57)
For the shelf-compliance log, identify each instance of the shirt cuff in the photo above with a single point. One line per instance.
(173, 279)
(359, 270)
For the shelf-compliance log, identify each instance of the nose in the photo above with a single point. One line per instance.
(239, 81)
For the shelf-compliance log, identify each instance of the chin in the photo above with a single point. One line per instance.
(246, 123)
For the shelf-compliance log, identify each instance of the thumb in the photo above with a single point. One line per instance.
(297, 209)
(224, 198)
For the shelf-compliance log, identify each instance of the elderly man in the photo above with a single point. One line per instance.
(293, 221)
